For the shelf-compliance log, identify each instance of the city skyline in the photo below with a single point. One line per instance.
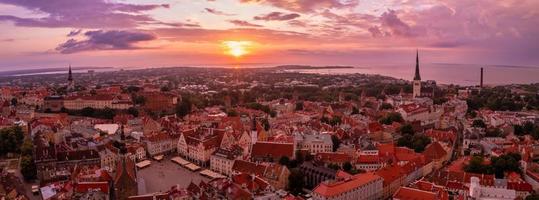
(154, 33)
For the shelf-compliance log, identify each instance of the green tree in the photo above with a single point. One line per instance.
(299, 105)
(284, 160)
(87, 112)
(27, 148)
(14, 101)
(336, 142)
(386, 106)
(347, 166)
(28, 168)
(184, 108)
(391, 117)
(479, 123)
(133, 111)
(407, 129)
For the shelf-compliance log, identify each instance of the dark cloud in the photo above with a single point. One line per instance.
(277, 16)
(217, 12)
(306, 5)
(82, 13)
(74, 33)
(243, 23)
(105, 40)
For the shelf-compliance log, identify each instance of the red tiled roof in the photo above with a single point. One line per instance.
(326, 189)
(434, 151)
(274, 150)
(390, 174)
(520, 186)
(406, 193)
(248, 167)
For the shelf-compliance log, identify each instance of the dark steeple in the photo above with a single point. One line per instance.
(417, 77)
(70, 77)
(123, 148)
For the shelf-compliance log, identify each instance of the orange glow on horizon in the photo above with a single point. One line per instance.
(237, 48)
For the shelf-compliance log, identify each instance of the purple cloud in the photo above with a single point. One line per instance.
(105, 40)
(306, 5)
(243, 23)
(397, 27)
(82, 13)
(217, 12)
(74, 33)
(277, 16)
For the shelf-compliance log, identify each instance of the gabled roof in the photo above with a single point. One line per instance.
(435, 151)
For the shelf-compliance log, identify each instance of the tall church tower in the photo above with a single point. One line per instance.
(70, 81)
(417, 78)
(125, 181)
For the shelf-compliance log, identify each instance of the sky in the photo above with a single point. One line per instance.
(159, 33)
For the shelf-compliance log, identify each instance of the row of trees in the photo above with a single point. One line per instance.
(497, 165)
(28, 166)
(528, 128)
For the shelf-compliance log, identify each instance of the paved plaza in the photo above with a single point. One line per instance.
(161, 176)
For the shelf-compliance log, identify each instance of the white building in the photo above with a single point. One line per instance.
(316, 143)
(479, 192)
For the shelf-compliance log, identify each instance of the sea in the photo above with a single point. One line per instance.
(458, 74)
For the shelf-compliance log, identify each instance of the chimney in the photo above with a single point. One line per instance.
(481, 84)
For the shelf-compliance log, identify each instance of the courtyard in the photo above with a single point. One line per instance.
(161, 176)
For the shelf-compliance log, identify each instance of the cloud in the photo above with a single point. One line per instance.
(305, 6)
(277, 16)
(217, 12)
(243, 23)
(74, 33)
(105, 40)
(391, 21)
(82, 13)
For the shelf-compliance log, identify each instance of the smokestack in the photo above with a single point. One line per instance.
(481, 84)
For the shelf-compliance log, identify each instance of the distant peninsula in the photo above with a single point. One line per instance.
(288, 67)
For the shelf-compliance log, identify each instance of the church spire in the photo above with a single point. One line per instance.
(70, 77)
(417, 76)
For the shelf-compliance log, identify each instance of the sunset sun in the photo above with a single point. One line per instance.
(237, 48)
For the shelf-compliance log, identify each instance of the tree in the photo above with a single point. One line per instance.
(138, 100)
(299, 105)
(87, 112)
(479, 123)
(385, 106)
(333, 166)
(14, 101)
(11, 140)
(391, 117)
(184, 108)
(347, 166)
(27, 148)
(355, 111)
(532, 197)
(28, 168)
(335, 120)
(284, 160)
(133, 111)
(336, 142)
(407, 129)
(296, 181)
